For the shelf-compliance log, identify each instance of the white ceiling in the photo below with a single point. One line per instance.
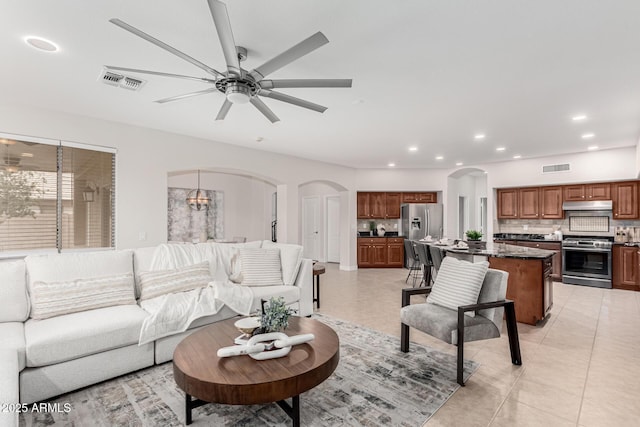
(429, 74)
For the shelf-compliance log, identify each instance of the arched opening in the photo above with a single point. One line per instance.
(467, 198)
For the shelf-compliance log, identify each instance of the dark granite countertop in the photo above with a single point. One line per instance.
(523, 237)
(501, 250)
(386, 234)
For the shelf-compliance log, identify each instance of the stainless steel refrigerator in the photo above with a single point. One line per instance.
(419, 220)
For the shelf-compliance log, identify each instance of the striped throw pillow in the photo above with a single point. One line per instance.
(50, 299)
(260, 267)
(155, 283)
(458, 283)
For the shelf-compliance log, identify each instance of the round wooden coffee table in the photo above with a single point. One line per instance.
(241, 380)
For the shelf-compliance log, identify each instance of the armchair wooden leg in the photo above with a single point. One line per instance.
(404, 338)
(512, 331)
(460, 347)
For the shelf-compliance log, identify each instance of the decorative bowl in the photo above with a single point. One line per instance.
(247, 325)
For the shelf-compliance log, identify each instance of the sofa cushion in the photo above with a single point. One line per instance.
(12, 338)
(49, 299)
(458, 283)
(260, 267)
(291, 294)
(13, 292)
(83, 265)
(155, 283)
(75, 335)
(290, 259)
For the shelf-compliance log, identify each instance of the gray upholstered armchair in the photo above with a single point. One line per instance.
(485, 302)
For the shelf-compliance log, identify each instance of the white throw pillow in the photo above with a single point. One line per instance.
(14, 299)
(156, 283)
(290, 259)
(58, 298)
(260, 267)
(458, 283)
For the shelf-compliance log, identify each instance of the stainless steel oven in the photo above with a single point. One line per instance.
(587, 261)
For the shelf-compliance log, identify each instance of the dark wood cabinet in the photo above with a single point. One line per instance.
(582, 192)
(551, 203)
(507, 203)
(378, 205)
(424, 197)
(395, 252)
(625, 268)
(528, 203)
(625, 200)
(556, 260)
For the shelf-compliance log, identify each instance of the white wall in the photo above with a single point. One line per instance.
(247, 201)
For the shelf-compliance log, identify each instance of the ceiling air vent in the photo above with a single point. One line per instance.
(564, 167)
(120, 80)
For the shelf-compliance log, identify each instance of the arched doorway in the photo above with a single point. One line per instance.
(467, 202)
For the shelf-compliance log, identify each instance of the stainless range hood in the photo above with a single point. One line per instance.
(596, 205)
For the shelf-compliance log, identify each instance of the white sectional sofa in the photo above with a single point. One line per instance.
(43, 358)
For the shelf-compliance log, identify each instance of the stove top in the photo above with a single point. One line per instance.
(588, 242)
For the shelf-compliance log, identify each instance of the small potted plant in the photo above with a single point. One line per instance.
(372, 227)
(275, 316)
(473, 239)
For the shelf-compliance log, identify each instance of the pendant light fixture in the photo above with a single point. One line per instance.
(197, 199)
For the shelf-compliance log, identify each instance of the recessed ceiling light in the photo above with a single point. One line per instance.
(479, 136)
(459, 164)
(41, 44)
(259, 139)
(414, 148)
(579, 118)
(27, 154)
(439, 157)
(391, 165)
(592, 147)
(517, 156)
(588, 135)
(500, 149)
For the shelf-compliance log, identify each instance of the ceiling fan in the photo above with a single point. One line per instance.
(237, 84)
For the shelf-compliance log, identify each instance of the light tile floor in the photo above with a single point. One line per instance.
(581, 367)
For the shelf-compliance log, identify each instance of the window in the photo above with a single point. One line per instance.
(55, 195)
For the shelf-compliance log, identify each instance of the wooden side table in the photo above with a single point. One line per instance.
(318, 269)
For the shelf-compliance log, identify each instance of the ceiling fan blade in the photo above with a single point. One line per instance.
(223, 27)
(158, 73)
(186, 95)
(292, 100)
(293, 83)
(264, 109)
(224, 110)
(164, 46)
(288, 56)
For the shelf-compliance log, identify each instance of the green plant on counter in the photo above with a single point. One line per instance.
(372, 226)
(275, 316)
(473, 235)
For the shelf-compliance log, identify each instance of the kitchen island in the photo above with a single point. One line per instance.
(530, 285)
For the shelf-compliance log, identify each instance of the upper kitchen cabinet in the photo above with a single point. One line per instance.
(425, 197)
(378, 205)
(507, 203)
(551, 203)
(625, 200)
(582, 192)
(528, 203)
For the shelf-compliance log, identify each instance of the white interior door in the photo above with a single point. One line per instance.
(333, 229)
(311, 228)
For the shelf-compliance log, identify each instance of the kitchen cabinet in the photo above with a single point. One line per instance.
(395, 252)
(528, 203)
(625, 200)
(529, 285)
(588, 192)
(424, 197)
(556, 260)
(372, 252)
(551, 203)
(625, 268)
(507, 203)
(380, 252)
(378, 205)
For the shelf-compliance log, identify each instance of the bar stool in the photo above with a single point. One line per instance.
(413, 261)
(423, 255)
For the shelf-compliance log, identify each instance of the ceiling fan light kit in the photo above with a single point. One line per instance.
(237, 84)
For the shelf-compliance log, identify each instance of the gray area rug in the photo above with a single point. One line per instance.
(375, 384)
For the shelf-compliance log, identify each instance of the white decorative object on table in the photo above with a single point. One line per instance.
(260, 346)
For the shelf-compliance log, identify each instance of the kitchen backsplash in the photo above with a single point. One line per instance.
(548, 226)
(388, 224)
